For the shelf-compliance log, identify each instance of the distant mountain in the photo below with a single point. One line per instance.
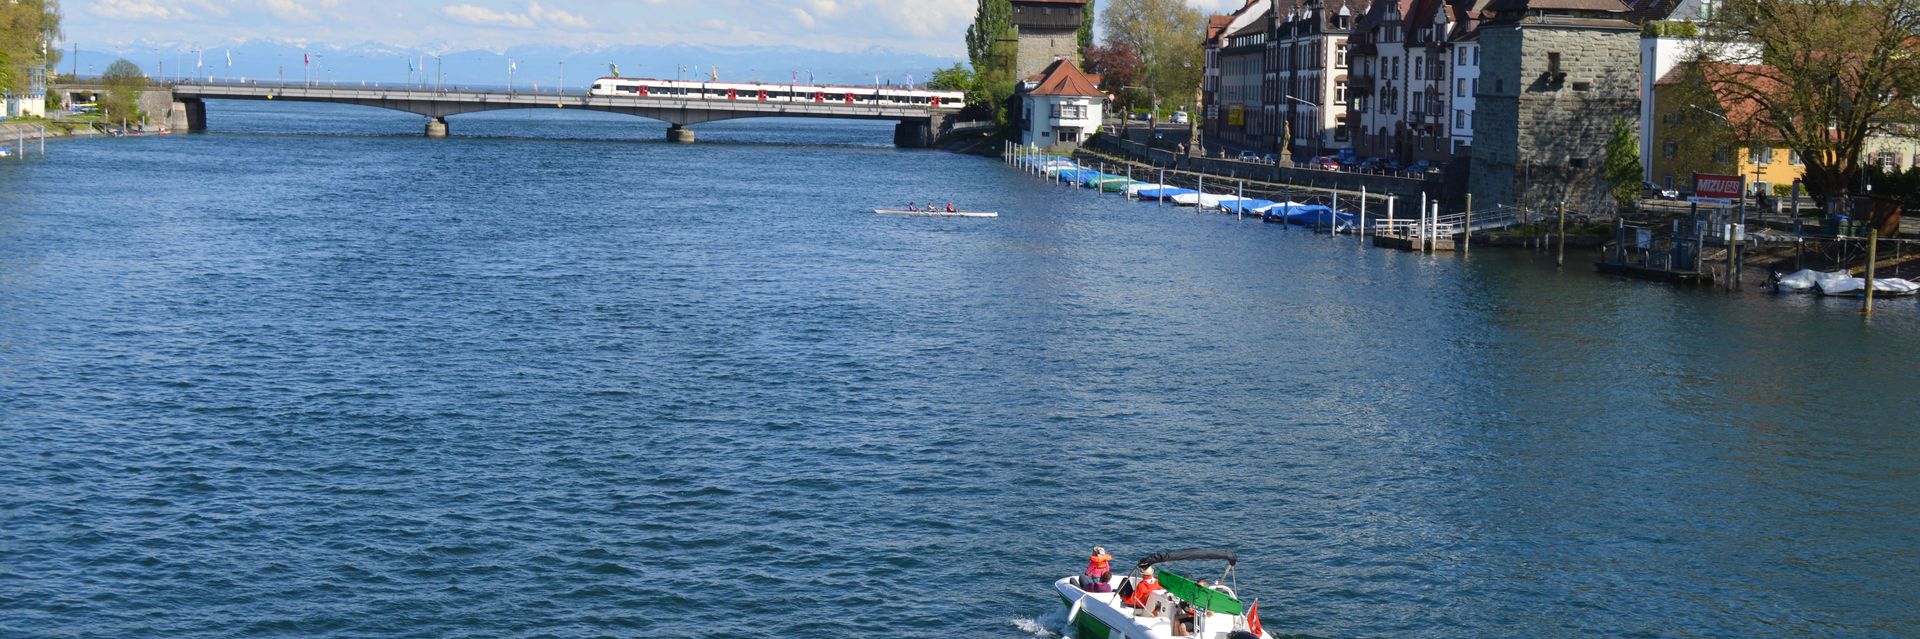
(261, 60)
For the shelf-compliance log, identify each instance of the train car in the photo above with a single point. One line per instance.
(757, 92)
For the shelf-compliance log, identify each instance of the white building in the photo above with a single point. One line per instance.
(1466, 73)
(1063, 107)
(31, 103)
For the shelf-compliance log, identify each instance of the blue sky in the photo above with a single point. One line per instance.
(926, 26)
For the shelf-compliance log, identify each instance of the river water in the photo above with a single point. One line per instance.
(311, 374)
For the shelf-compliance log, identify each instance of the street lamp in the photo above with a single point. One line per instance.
(1318, 131)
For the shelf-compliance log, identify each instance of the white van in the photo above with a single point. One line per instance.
(1179, 117)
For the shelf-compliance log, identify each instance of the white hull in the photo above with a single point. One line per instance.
(907, 213)
(1123, 623)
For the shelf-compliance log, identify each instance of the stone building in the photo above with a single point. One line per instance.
(1555, 76)
(1047, 30)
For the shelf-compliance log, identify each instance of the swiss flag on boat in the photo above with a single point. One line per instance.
(849, 98)
(731, 94)
(936, 102)
(763, 95)
(643, 90)
(1253, 618)
(819, 96)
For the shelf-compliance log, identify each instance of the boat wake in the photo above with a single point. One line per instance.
(1047, 626)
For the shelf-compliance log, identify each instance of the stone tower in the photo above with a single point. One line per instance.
(1048, 30)
(1555, 76)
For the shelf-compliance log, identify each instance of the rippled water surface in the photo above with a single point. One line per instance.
(313, 375)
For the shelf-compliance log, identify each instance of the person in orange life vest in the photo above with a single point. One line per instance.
(1098, 563)
(1142, 591)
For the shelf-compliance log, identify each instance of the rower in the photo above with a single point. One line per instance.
(910, 208)
(949, 207)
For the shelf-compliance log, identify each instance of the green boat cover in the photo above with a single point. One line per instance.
(1200, 596)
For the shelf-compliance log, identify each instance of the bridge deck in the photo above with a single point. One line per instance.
(446, 102)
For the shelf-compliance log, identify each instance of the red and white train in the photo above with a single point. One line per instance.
(755, 92)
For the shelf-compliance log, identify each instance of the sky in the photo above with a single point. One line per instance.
(934, 27)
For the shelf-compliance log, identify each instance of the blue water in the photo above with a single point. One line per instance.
(311, 374)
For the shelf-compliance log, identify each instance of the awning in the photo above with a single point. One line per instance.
(1200, 596)
(1185, 555)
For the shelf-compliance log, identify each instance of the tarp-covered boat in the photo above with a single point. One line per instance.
(1856, 287)
(1164, 193)
(1154, 602)
(1807, 280)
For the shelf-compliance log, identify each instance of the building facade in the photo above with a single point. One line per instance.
(1310, 79)
(1062, 108)
(1046, 30)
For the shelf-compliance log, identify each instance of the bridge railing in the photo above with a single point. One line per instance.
(457, 92)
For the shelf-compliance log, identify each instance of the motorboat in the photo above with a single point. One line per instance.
(1807, 280)
(1170, 604)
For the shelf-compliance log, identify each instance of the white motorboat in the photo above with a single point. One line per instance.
(1153, 602)
(1807, 280)
(919, 213)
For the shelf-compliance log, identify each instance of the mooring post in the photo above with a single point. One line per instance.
(1239, 205)
(1561, 259)
(1162, 200)
(1363, 214)
(1466, 242)
(1873, 255)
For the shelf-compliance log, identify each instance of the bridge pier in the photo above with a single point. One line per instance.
(913, 134)
(196, 112)
(679, 134)
(437, 128)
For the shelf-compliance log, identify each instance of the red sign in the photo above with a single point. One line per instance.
(935, 102)
(763, 95)
(732, 94)
(643, 92)
(1721, 186)
(849, 98)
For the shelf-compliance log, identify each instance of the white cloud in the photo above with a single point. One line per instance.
(485, 17)
(556, 17)
(163, 10)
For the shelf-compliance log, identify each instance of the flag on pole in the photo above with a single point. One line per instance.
(713, 74)
(810, 79)
(909, 82)
(614, 68)
(1253, 618)
(306, 60)
(512, 66)
(410, 68)
(229, 58)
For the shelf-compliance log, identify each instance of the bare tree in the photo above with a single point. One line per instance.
(1820, 76)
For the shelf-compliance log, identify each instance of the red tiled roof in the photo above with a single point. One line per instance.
(1063, 78)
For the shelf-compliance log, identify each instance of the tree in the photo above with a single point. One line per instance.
(991, 47)
(124, 83)
(1623, 164)
(1819, 76)
(954, 78)
(1166, 34)
(1085, 34)
(1118, 67)
(27, 27)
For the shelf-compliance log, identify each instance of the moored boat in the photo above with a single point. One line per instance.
(1153, 602)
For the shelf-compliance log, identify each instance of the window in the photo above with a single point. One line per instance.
(1476, 56)
(1340, 92)
(1760, 156)
(1419, 65)
(1667, 182)
(1475, 86)
(1793, 158)
(1499, 85)
(1340, 131)
(1460, 87)
(1723, 154)
(1340, 56)
(1669, 149)
(1670, 118)
(1578, 163)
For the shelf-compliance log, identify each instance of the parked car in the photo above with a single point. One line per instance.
(1416, 166)
(1179, 117)
(1249, 156)
(1269, 159)
(1326, 163)
(1655, 191)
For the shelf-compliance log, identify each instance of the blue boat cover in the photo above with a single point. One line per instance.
(1075, 175)
(1160, 194)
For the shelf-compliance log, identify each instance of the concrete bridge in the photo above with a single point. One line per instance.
(917, 125)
